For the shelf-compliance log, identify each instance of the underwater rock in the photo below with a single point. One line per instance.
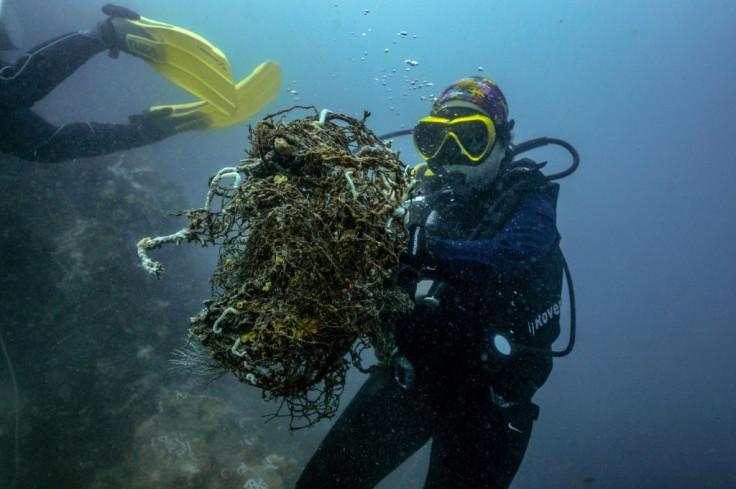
(88, 334)
(195, 441)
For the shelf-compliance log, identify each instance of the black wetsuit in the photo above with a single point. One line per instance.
(26, 135)
(476, 410)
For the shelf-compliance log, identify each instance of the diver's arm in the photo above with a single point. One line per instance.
(525, 239)
(44, 67)
(28, 136)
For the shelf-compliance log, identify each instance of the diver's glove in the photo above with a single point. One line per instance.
(111, 31)
(418, 253)
(161, 123)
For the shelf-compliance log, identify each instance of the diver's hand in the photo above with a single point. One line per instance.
(112, 30)
(162, 123)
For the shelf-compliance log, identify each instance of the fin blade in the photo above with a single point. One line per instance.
(188, 60)
(254, 93)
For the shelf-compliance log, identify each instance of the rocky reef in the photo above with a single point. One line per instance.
(90, 335)
(195, 441)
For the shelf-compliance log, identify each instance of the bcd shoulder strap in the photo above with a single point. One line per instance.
(515, 182)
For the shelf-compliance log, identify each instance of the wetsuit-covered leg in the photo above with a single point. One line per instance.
(28, 136)
(478, 444)
(40, 70)
(380, 428)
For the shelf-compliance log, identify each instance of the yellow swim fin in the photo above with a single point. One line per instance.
(253, 93)
(183, 57)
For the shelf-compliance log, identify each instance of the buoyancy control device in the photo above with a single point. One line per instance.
(502, 345)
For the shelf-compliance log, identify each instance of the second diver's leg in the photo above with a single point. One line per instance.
(381, 427)
(44, 67)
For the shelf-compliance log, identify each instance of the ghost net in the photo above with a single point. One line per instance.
(309, 227)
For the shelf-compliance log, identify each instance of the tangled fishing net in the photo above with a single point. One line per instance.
(309, 227)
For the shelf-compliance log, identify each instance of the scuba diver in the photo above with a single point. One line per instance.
(180, 55)
(485, 270)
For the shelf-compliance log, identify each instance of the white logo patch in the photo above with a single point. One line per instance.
(542, 319)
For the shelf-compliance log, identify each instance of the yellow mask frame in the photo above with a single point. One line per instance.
(429, 130)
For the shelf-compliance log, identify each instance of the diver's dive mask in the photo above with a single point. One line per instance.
(475, 135)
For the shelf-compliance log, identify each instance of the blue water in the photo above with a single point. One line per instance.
(644, 90)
